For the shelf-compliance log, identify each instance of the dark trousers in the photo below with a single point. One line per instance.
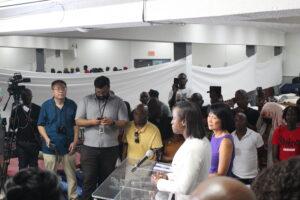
(244, 180)
(96, 164)
(27, 153)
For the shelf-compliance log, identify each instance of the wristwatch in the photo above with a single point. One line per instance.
(113, 123)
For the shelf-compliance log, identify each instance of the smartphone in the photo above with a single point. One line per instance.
(176, 81)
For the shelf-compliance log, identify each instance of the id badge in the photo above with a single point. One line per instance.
(101, 129)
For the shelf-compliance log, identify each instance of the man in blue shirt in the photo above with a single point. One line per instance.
(56, 125)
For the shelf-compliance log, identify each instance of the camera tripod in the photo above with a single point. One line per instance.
(9, 141)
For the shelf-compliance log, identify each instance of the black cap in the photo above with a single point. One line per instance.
(215, 89)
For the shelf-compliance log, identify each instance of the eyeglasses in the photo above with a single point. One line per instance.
(60, 88)
(136, 137)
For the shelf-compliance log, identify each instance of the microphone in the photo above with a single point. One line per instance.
(148, 154)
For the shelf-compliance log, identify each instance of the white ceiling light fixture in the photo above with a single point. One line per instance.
(6, 3)
(62, 17)
(82, 30)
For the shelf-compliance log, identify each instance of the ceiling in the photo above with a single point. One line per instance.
(287, 20)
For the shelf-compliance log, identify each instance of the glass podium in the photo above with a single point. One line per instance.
(124, 184)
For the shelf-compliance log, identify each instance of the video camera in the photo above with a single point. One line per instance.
(13, 85)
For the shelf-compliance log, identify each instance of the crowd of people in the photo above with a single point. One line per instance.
(86, 69)
(226, 143)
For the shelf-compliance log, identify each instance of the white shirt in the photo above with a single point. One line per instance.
(190, 166)
(181, 94)
(245, 161)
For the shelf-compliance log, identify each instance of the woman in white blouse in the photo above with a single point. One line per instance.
(191, 162)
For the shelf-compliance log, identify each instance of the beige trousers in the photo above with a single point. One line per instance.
(68, 162)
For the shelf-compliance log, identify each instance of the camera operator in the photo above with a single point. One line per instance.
(24, 118)
(179, 92)
(56, 125)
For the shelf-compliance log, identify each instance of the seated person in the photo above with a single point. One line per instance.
(241, 99)
(140, 135)
(191, 162)
(286, 138)
(279, 182)
(33, 183)
(86, 69)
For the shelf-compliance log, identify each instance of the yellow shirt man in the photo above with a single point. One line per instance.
(139, 141)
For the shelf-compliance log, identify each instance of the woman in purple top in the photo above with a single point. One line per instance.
(220, 121)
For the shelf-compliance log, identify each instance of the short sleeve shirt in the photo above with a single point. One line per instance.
(92, 108)
(245, 163)
(181, 94)
(288, 142)
(149, 137)
(51, 117)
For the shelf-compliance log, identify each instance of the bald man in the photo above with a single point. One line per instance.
(222, 188)
(140, 135)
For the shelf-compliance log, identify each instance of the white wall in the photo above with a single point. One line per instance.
(264, 53)
(192, 33)
(217, 55)
(51, 61)
(220, 55)
(34, 42)
(98, 53)
(291, 64)
(102, 53)
(94, 53)
(18, 58)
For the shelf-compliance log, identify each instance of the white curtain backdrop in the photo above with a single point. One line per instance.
(246, 75)
(269, 73)
(126, 84)
(231, 78)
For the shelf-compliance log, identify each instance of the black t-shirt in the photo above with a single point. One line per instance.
(25, 119)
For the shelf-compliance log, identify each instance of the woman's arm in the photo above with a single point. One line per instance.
(225, 155)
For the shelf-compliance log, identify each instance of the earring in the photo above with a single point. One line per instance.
(183, 123)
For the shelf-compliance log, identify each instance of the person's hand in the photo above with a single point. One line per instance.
(107, 121)
(154, 179)
(157, 176)
(72, 148)
(47, 140)
(96, 122)
(174, 88)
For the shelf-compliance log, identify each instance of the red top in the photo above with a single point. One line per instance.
(287, 141)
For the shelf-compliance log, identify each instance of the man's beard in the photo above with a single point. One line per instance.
(102, 98)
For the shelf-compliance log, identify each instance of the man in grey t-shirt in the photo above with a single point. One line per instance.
(102, 114)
